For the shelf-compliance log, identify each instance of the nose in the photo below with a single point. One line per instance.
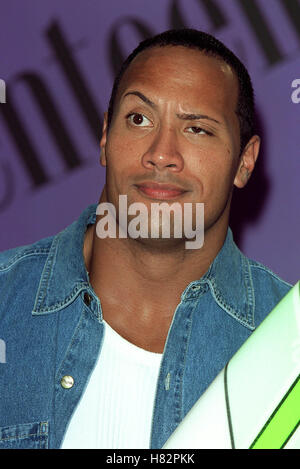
(163, 153)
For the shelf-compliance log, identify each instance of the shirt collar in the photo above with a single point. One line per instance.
(64, 275)
(230, 281)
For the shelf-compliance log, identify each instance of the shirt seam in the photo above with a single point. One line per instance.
(15, 259)
(257, 265)
(61, 304)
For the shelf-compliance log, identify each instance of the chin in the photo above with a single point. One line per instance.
(161, 245)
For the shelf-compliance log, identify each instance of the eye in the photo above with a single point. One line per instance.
(198, 131)
(138, 119)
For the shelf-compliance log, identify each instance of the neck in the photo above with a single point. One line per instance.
(140, 285)
(148, 269)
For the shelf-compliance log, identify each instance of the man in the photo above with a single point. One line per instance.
(111, 340)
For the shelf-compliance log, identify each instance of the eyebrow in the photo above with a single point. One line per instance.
(142, 97)
(191, 117)
(183, 116)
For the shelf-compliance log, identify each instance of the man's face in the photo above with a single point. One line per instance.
(174, 136)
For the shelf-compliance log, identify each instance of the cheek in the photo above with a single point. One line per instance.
(121, 164)
(121, 153)
(214, 171)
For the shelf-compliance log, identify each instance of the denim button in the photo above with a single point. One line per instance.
(67, 381)
(87, 298)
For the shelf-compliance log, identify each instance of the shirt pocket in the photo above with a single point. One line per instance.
(24, 436)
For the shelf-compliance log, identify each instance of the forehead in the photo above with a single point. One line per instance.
(183, 74)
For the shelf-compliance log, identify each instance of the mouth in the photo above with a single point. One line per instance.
(160, 191)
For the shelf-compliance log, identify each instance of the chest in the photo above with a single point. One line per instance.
(145, 329)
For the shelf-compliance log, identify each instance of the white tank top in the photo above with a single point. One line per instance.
(115, 411)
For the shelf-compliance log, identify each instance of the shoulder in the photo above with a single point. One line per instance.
(265, 277)
(21, 269)
(41, 248)
(268, 289)
(12, 257)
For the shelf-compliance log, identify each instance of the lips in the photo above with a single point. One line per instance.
(160, 191)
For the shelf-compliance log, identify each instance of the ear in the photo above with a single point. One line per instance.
(103, 141)
(247, 162)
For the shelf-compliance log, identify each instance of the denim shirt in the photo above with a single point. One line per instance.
(51, 325)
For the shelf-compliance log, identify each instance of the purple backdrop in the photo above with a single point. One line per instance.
(58, 59)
